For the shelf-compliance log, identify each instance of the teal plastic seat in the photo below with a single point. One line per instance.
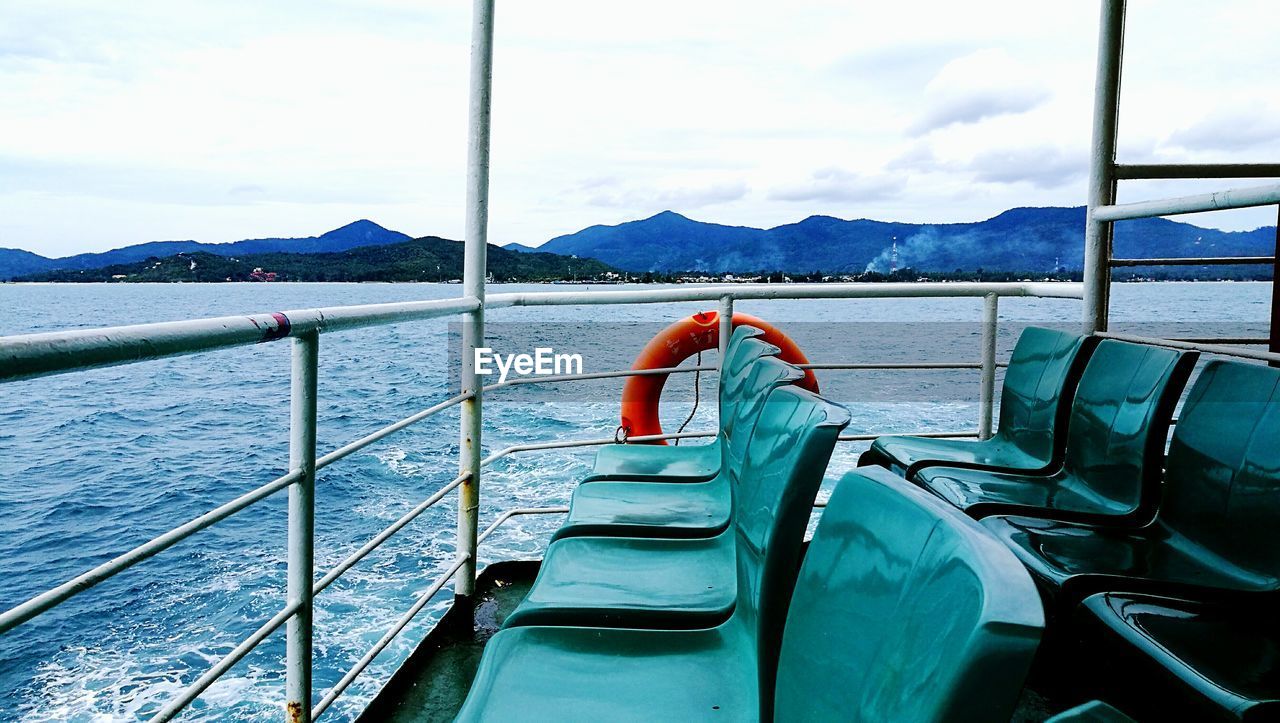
(690, 463)
(1209, 661)
(684, 509)
(1095, 711)
(689, 583)
(632, 582)
(1035, 399)
(1115, 446)
(1215, 529)
(590, 675)
(645, 509)
(903, 610)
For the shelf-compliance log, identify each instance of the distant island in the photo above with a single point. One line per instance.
(1021, 243)
(427, 259)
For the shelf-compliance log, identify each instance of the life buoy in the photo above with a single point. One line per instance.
(678, 342)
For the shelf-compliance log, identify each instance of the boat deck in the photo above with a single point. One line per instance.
(432, 684)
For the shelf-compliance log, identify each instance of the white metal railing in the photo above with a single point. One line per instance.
(1102, 210)
(37, 355)
(1165, 171)
(1216, 201)
(33, 355)
(1195, 261)
(1201, 346)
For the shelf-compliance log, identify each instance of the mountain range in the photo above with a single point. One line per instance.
(15, 263)
(425, 259)
(1020, 240)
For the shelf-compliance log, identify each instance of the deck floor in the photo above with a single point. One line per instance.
(434, 681)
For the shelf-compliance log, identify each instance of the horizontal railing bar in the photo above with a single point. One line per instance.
(1160, 171)
(679, 370)
(369, 439)
(1196, 261)
(1192, 346)
(1060, 290)
(889, 366)
(344, 318)
(1216, 201)
(34, 355)
(597, 375)
(586, 443)
(51, 598)
(387, 637)
(220, 668)
(929, 435)
(1230, 340)
(386, 533)
(502, 518)
(543, 446)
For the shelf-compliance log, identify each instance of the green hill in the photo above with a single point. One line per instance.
(424, 259)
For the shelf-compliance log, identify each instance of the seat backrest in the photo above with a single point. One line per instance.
(744, 350)
(773, 494)
(1222, 488)
(1039, 385)
(765, 373)
(740, 333)
(1120, 421)
(905, 610)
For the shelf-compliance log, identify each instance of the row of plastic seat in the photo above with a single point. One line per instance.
(1159, 569)
(682, 597)
(1081, 435)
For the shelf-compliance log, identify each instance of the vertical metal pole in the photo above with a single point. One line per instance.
(1274, 330)
(473, 281)
(986, 392)
(726, 327)
(726, 332)
(1102, 185)
(302, 456)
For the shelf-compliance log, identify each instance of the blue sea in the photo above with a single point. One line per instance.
(96, 462)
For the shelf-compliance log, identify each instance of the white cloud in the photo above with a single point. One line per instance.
(983, 84)
(1252, 126)
(840, 186)
(1042, 167)
(671, 198)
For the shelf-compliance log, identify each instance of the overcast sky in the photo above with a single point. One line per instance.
(216, 121)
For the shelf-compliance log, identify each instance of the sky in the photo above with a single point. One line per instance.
(216, 121)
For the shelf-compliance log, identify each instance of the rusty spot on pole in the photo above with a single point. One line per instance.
(279, 331)
(295, 711)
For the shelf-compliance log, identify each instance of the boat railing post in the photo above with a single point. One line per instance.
(726, 327)
(722, 350)
(302, 457)
(473, 282)
(986, 393)
(1102, 177)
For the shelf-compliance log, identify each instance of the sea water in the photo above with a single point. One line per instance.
(93, 463)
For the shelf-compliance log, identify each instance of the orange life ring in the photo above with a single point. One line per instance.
(678, 342)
